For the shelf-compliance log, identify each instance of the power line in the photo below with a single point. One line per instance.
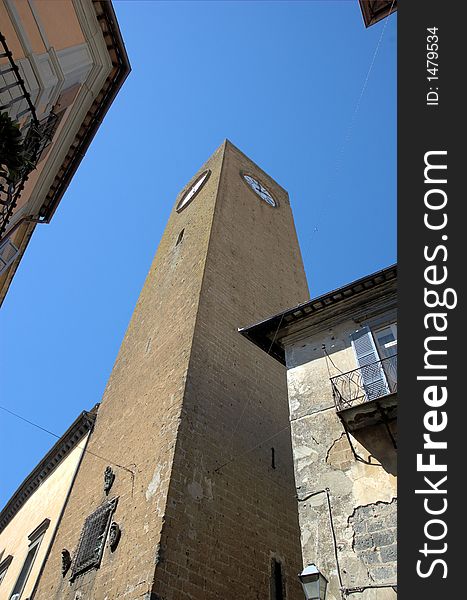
(351, 125)
(251, 449)
(338, 162)
(7, 410)
(108, 461)
(346, 140)
(247, 402)
(30, 422)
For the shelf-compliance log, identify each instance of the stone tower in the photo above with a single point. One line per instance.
(194, 419)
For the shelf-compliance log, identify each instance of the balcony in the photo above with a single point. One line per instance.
(367, 395)
(16, 105)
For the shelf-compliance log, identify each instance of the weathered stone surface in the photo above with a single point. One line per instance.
(389, 553)
(340, 454)
(357, 469)
(381, 560)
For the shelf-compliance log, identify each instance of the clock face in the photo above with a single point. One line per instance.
(260, 190)
(193, 190)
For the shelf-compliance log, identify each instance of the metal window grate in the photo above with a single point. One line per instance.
(92, 539)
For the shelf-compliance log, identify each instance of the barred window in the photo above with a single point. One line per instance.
(4, 566)
(92, 540)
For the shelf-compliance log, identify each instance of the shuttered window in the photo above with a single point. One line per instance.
(92, 540)
(373, 377)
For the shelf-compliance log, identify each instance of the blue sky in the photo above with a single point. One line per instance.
(283, 81)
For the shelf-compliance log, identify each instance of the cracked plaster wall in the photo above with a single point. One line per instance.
(362, 491)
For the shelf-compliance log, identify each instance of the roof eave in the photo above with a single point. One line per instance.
(264, 334)
(59, 451)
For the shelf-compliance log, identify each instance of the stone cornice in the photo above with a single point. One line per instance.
(69, 440)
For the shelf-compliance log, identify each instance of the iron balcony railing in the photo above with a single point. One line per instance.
(36, 134)
(367, 383)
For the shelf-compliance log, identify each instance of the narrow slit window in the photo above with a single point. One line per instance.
(273, 458)
(277, 581)
(180, 237)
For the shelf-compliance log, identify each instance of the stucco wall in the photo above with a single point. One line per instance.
(46, 503)
(350, 491)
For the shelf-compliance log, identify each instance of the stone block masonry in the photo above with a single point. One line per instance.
(375, 539)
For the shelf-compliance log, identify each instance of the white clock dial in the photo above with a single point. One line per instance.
(260, 190)
(193, 190)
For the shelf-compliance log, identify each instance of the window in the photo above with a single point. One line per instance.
(180, 237)
(376, 354)
(92, 540)
(277, 581)
(8, 253)
(35, 539)
(386, 340)
(373, 378)
(4, 567)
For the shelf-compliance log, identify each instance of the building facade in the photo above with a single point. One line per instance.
(61, 65)
(376, 10)
(30, 519)
(341, 355)
(202, 504)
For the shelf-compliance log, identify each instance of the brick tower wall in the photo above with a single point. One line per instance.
(224, 525)
(188, 394)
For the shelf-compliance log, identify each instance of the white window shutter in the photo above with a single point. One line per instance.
(372, 372)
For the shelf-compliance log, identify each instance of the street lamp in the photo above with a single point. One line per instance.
(314, 584)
